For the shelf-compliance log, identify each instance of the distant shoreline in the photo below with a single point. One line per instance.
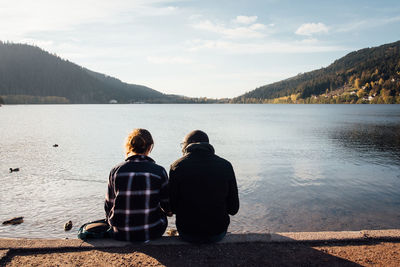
(70, 104)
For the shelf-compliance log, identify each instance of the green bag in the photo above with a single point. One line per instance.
(95, 229)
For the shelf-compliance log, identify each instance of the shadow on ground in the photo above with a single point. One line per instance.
(221, 254)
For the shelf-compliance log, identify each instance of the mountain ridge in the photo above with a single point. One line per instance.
(368, 75)
(29, 74)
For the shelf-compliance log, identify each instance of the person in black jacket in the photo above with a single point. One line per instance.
(203, 191)
(137, 201)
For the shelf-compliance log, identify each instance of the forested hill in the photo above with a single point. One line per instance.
(370, 75)
(29, 74)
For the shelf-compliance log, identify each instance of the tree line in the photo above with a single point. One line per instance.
(31, 75)
(370, 75)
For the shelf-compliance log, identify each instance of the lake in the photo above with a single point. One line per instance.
(298, 167)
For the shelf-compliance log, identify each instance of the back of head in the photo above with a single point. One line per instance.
(138, 141)
(195, 136)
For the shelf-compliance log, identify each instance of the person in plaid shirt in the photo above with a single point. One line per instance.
(137, 201)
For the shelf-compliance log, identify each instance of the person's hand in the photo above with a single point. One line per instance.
(169, 214)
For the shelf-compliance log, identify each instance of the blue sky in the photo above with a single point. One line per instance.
(200, 48)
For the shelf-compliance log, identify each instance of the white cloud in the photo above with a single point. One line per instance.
(309, 41)
(44, 44)
(19, 18)
(168, 60)
(246, 19)
(312, 28)
(305, 46)
(366, 24)
(251, 31)
(257, 27)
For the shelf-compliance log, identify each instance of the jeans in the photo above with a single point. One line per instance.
(201, 238)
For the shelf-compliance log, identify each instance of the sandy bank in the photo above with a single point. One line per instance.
(352, 248)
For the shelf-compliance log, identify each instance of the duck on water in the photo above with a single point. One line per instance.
(14, 170)
(16, 220)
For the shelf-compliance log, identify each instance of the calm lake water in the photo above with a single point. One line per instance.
(298, 167)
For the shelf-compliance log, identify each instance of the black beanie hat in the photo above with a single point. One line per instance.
(196, 136)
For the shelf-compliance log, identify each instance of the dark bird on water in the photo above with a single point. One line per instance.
(16, 220)
(68, 226)
(55, 145)
(14, 170)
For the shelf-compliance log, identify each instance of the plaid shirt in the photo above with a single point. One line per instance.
(137, 199)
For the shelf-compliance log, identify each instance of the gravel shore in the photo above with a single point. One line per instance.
(239, 254)
(379, 248)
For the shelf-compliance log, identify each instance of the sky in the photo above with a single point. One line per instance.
(203, 48)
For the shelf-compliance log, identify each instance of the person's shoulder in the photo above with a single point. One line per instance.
(222, 160)
(158, 168)
(117, 167)
(179, 162)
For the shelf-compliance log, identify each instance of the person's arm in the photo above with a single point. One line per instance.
(233, 195)
(173, 189)
(164, 194)
(110, 196)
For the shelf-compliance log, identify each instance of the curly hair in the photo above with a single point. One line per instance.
(138, 141)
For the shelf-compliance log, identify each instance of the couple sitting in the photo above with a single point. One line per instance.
(201, 191)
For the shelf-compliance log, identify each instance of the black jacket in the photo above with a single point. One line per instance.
(203, 191)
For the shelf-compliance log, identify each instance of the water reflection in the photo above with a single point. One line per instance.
(306, 173)
(370, 139)
(330, 175)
